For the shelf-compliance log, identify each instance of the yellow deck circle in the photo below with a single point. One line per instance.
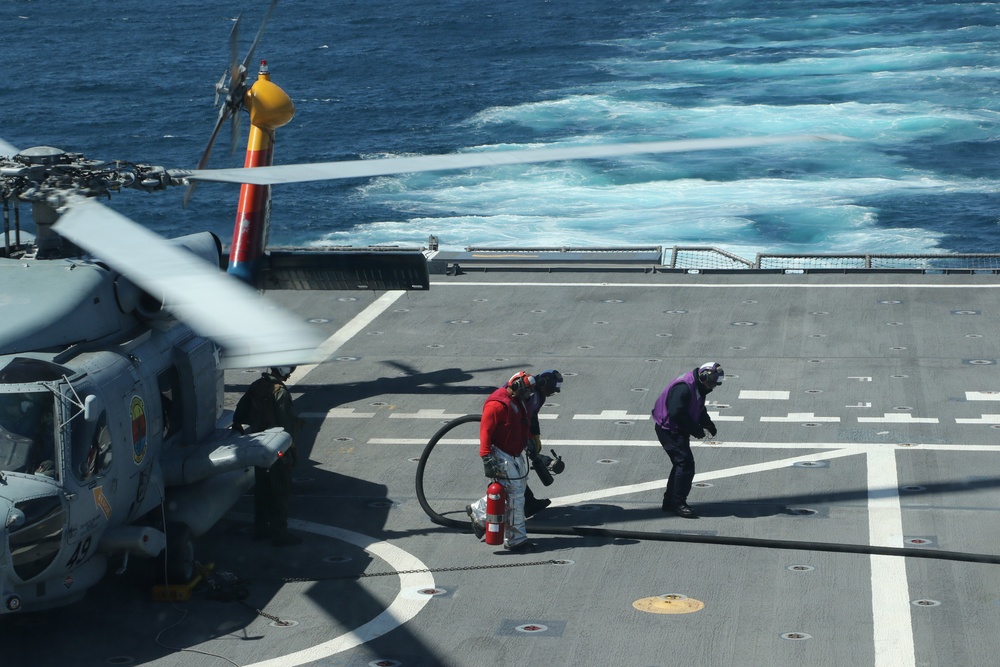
(672, 603)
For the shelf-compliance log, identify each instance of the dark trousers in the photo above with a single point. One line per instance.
(271, 489)
(678, 448)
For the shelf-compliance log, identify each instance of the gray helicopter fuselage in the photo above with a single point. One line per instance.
(108, 441)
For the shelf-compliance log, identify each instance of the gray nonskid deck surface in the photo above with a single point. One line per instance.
(858, 409)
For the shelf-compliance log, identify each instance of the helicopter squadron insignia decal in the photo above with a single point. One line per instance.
(138, 413)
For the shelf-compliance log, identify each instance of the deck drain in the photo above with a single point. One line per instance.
(919, 541)
(459, 321)
(586, 508)
(894, 324)
(435, 346)
(343, 438)
(653, 361)
(795, 636)
(384, 662)
(318, 320)
(380, 504)
(747, 302)
(624, 422)
(584, 347)
(563, 561)
(903, 408)
(980, 362)
(912, 488)
(538, 310)
(897, 348)
(375, 333)
(810, 424)
(811, 464)
(283, 624)
(532, 628)
(639, 389)
(346, 359)
(379, 403)
(522, 333)
(607, 461)
(401, 310)
(819, 312)
(899, 377)
(802, 511)
(743, 324)
(614, 301)
(337, 560)
(890, 302)
(664, 335)
(815, 361)
(600, 322)
(925, 603)
(814, 391)
(800, 568)
(965, 312)
(817, 335)
(702, 485)
(675, 312)
(671, 603)
(347, 298)
(737, 347)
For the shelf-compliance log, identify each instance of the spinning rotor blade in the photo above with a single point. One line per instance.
(299, 173)
(251, 333)
(235, 92)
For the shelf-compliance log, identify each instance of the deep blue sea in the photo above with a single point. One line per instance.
(914, 82)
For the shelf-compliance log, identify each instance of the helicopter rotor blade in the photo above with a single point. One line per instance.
(299, 173)
(251, 332)
(260, 33)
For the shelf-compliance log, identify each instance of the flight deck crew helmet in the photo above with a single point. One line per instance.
(549, 382)
(282, 372)
(521, 383)
(711, 374)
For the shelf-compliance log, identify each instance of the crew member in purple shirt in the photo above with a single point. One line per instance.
(679, 414)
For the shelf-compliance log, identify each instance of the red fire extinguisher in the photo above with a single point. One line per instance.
(496, 505)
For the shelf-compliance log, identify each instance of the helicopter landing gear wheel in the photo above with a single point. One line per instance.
(179, 554)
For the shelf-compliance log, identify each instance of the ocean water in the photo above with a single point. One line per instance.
(913, 83)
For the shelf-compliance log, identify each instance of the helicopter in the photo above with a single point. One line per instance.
(113, 438)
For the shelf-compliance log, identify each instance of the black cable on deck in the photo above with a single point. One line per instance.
(585, 531)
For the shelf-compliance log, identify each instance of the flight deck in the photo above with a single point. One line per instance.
(847, 508)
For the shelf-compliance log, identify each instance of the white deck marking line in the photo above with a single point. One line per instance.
(798, 417)
(982, 395)
(890, 588)
(348, 331)
(721, 285)
(337, 413)
(578, 498)
(760, 395)
(400, 610)
(857, 446)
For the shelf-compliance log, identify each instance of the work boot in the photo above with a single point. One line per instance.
(261, 533)
(477, 528)
(521, 547)
(681, 510)
(533, 506)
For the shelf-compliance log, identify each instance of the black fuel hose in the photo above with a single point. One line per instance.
(584, 531)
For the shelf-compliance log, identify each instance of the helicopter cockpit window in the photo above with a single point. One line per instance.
(92, 449)
(27, 433)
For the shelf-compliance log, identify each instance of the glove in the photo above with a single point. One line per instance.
(711, 430)
(490, 467)
(237, 428)
(699, 432)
